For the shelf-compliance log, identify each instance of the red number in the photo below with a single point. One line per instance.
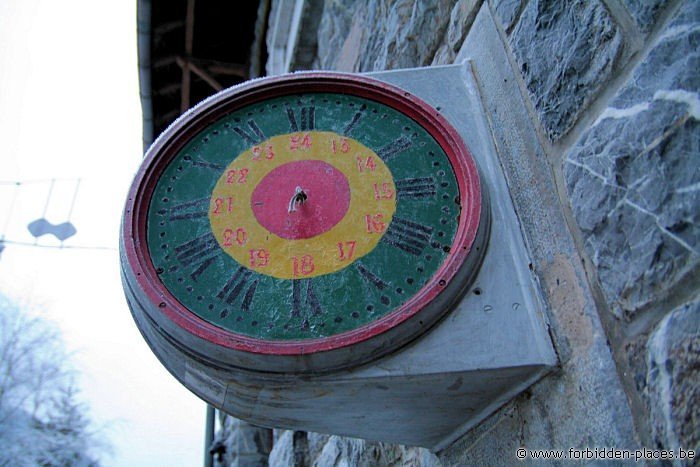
(346, 250)
(374, 223)
(258, 152)
(228, 237)
(367, 164)
(241, 236)
(300, 142)
(259, 258)
(242, 176)
(343, 147)
(223, 204)
(385, 192)
(303, 266)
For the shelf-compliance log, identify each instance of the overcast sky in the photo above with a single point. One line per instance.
(69, 110)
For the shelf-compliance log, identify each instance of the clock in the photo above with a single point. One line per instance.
(304, 223)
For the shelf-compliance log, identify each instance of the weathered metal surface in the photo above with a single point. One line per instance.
(382, 241)
(492, 344)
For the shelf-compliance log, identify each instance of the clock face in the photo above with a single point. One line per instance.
(306, 217)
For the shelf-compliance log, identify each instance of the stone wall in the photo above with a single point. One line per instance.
(594, 109)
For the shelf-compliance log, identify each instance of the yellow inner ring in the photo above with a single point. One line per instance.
(240, 235)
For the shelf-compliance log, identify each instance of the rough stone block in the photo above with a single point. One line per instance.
(461, 20)
(633, 177)
(245, 445)
(507, 11)
(388, 34)
(645, 12)
(567, 52)
(672, 379)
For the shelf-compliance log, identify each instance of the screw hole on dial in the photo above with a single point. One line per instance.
(443, 221)
(179, 168)
(181, 279)
(224, 313)
(164, 246)
(189, 288)
(338, 319)
(442, 282)
(445, 196)
(441, 173)
(162, 234)
(477, 291)
(160, 270)
(165, 200)
(441, 234)
(444, 184)
(420, 270)
(384, 299)
(200, 298)
(409, 280)
(370, 308)
(211, 306)
(355, 314)
(169, 189)
(438, 108)
(436, 164)
(446, 249)
(399, 290)
(431, 153)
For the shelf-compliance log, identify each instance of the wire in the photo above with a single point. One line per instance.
(59, 247)
(39, 180)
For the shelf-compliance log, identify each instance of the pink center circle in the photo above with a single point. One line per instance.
(327, 199)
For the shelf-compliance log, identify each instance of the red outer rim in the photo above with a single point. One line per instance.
(179, 133)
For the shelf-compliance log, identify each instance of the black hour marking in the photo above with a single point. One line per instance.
(248, 298)
(207, 165)
(371, 278)
(202, 267)
(354, 120)
(306, 118)
(235, 285)
(408, 236)
(394, 148)
(189, 210)
(310, 299)
(254, 136)
(197, 250)
(415, 188)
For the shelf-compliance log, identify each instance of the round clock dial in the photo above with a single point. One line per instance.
(306, 218)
